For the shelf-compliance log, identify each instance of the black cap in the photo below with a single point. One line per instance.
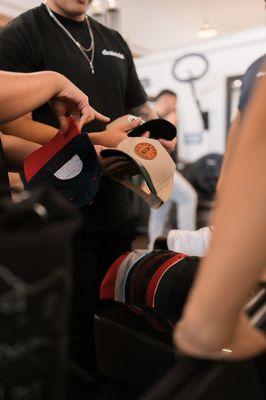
(158, 128)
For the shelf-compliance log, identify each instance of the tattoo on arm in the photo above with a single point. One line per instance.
(144, 111)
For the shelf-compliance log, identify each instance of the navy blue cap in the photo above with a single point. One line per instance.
(69, 164)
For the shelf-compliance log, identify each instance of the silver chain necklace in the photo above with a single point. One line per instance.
(83, 50)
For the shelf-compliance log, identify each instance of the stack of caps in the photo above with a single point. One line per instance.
(144, 157)
(158, 281)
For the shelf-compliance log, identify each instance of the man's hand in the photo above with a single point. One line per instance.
(169, 145)
(147, 113)
(246, 342)
(172, 117)
(98, 148)
(115, 132)
(71, 100)
(125, 123)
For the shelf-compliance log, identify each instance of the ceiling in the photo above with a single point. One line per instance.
(156, 25)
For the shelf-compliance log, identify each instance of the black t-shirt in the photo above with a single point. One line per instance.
(34, 42)
(4, 181)
(255, 71)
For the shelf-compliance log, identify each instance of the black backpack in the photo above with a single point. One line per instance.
(35, 286)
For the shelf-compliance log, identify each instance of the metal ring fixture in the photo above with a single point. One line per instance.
(192, 77)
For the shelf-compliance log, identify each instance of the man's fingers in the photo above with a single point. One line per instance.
(100, 117)
(76, 117)
(146, 134)
(87, 115)
(133, 123)
(169, 145)
(98, 148)
(132, 118)
(85, 119)
(90, 116)
(63, 122)
(174, 142)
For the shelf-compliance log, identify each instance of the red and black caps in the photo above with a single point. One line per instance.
(69, 164)
(159, 281)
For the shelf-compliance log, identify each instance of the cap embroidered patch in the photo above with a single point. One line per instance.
(146, 151)
(70, 169)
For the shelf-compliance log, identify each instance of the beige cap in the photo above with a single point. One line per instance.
(145, 157)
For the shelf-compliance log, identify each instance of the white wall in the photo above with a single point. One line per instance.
(14, 7)
(229, 55)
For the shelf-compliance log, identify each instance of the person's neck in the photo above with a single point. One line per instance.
(63, 13)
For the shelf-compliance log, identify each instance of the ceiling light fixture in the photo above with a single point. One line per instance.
(206, 30)
(112, 4)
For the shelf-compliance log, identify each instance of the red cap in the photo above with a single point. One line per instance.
(36, 160)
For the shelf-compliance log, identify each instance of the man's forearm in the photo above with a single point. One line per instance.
(28, 129)
(16, 150)
(22, 93)
(233, 136)
(144, 111)
(231, 267)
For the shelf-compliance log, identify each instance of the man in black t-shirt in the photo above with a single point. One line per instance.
(58, 36)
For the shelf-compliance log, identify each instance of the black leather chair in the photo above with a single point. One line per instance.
(130, 350)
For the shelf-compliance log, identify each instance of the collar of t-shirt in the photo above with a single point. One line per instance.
(78, 29)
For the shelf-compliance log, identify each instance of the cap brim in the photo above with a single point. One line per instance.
(167, 190)
(150, 198)
(165, 193)
(119, 168)
(116, 162)
(139, 167)
(112, 153)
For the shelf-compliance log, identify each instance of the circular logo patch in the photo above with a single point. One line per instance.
(146, 151)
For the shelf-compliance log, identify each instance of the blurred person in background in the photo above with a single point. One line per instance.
(184, 195)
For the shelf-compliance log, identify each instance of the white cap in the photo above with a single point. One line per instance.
(145, 157)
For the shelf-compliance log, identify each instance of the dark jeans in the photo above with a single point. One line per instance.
(93, 255)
